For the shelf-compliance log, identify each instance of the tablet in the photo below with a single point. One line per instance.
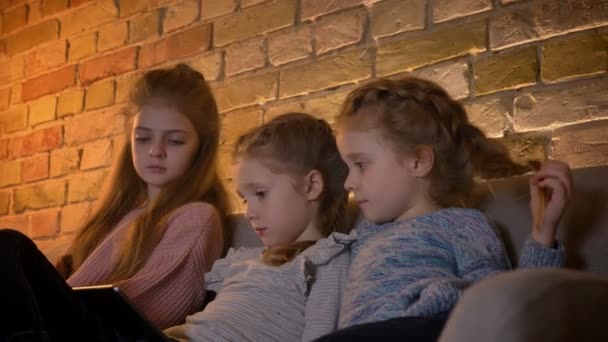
(119, 314)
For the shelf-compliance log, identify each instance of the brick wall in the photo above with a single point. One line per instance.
(532, 72)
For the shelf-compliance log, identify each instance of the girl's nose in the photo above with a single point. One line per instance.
(157, 150)
(349, 182)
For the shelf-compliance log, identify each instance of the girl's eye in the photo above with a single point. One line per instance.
(260, 194)
(141, 139)
(176, 142)
(359, 165)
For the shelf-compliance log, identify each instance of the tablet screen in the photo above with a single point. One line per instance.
(118, 314)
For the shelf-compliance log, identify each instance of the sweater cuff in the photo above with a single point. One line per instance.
(535, 255)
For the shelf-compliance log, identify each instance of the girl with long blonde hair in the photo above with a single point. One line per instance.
(156, 229)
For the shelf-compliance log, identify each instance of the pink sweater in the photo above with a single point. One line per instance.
(171, 284)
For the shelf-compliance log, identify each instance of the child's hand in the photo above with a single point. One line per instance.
(550, 190)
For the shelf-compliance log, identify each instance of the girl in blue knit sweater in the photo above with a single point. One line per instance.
(412, 156)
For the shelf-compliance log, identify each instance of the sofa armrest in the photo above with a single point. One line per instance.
(532, 305)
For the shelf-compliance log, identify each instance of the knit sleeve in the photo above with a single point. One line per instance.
(171, 285)
(535, 255)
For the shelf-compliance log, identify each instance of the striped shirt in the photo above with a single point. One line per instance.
(421, 266)
(299, 300)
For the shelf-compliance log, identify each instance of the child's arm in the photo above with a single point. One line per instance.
(170, 285)
(550, 190)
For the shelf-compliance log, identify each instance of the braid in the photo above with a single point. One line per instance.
(413, 112)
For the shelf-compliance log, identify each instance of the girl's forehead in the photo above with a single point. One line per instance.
(162, 117)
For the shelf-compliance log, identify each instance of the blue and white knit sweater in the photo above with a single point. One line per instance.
(420, 267)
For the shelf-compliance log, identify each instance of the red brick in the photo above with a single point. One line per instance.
(339, 30)
(45, 58)
(44, 223)
(542, 19)
(93, 126)
(14, 19)
(216, 8)
(108, 65)
(128, 7)
(253, 21)
(10, 173)
(153, 54)
(390, 17)
(113, 35)
(17, 222)
(4, 4)
(3, 149)
(189, 42)
(86, 186)
(38, 141)
(245, 56)
(444, 10)
(315, 8)
(32, 36)
(180, 45)
(5, 97)
(82, 46)
(53, 6)
(5, 201)
(181, 14)
(76, 3)
(144, 27)
(87, 17)
(554, 106)
(34, 14)
(73, 216)
(14, 119)
(50, 83)
(583, 144)
(55, 248)
(35, 168)
(11, 69)
(289, 46)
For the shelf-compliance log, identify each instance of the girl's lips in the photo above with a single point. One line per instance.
(260, 231)
(157, 169)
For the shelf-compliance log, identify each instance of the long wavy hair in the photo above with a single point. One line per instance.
(186, 90)
(412, 112)
(295, 144)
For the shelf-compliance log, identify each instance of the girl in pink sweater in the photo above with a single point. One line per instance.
(156, 230)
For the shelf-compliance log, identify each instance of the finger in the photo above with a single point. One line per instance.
(558, 191)
(559, 170)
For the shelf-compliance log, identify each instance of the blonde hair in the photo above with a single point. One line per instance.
(411, 112)
(296, 144)
(186, 90)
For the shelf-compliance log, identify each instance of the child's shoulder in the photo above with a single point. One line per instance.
(324, 250)
(459, 221)
(456, 215)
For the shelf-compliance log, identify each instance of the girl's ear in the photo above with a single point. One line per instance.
(313, 185)
(424, 158)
